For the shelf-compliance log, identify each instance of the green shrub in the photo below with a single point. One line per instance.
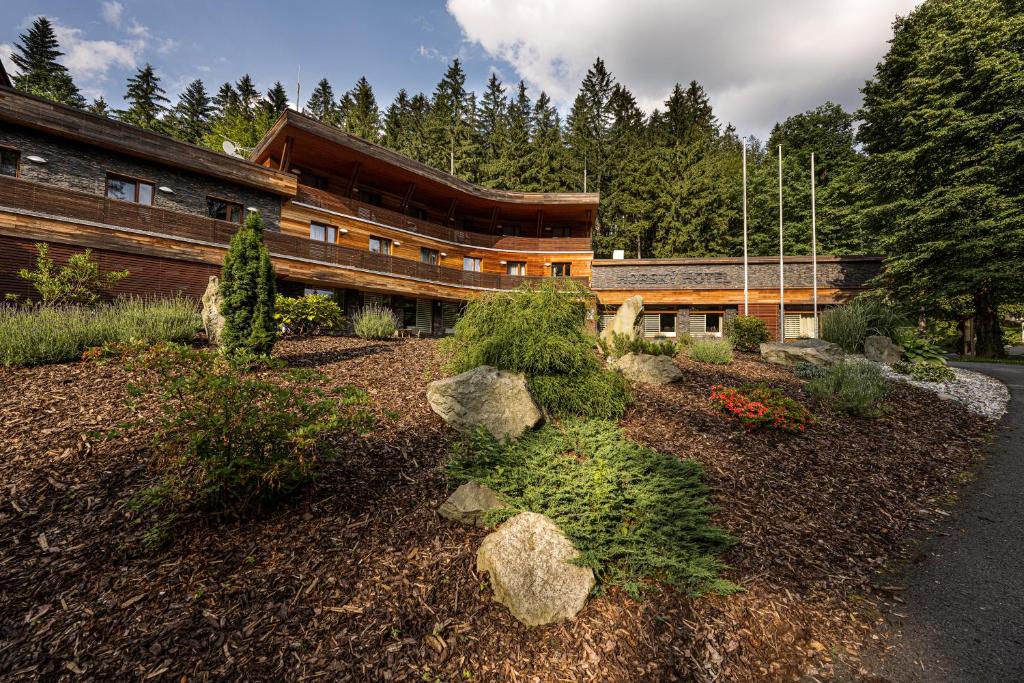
(808, 370)
(227, 440)
(621, 344)
(902, 367)
(634, 514)
(850, 324)
(77, 283)
(683, 340)
(931, 372)
(247, 285)
(375, 322)
(601, 394)
(918, 349)
(310, 314)
(747, 333)
(714, 351)
(761, 406)
(41, 334)
(855, 387)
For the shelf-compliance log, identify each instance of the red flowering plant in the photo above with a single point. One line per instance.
(760, 406)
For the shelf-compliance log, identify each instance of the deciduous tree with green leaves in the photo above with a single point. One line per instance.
(247, 285)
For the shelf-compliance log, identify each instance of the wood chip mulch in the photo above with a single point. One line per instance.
(357, 578)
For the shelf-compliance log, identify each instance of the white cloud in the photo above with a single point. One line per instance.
(760, 62)
(6, 50)
(112, 13)
(91, 60)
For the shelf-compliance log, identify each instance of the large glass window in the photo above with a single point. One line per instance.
(9, 162)
(223, 210)
(473, 264)
(516, 268)
(561, 269)
(380, 245)
(429, 256)
(322, 232)
(129, 189)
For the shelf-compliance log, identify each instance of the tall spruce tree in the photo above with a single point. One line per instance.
(40, 73)
(451, 130)
(322, 106)
(249, 291)
(944, 135)
(588, 125)
(248, 95)
(360, 112)
(493, 131)
(276, 101)
(146, 100)
(99, 106)
(513, 157)
(546, 167)
(190, 118)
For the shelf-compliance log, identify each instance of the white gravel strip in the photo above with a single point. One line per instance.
(981, 394)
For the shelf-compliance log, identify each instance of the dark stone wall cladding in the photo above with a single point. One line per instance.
(76, 166)
(730, 276)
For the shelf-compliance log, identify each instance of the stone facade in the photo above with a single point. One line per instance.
(678, 274)
(75, 166)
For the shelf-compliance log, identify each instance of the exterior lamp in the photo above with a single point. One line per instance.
(165, 189)
(35, 159)
(397, 243)
(343, 231)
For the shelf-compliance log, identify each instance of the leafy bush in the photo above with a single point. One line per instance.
(601, 394)
(760, 406)
(247, 285)
(77, 283)
(931, 372)
(918, 349)
(902, 367)
(747, 333)
(715, 351)
(375, 322)
(634, 514)
(42, 334)
(227, 440)
(808, 370)
(850, 324)
(310, 314)
(621, 344)
(855, 387)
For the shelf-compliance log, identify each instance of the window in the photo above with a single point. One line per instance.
(561, 269)
(129, 189)
(516, 268)
(371, 198)
(705, 324)
(224, 210)
(429, 256)
(312, 180)
(668, 323)
(322, 232)
(9, 161)
(416, 212)
(561, 231)
(380, 245)
(329, 293)
(473, 264)
(510, 230)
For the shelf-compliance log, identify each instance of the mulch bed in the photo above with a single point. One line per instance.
(357, 578)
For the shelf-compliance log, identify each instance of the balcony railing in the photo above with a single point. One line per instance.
(25, 195)
(353, 207)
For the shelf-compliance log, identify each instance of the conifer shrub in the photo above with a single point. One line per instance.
(713, 351)
(310, 314)
(850, 324)
(247, 285)
(375, 322)
(232, 433)
(636, 516)
(621, 344)
(855, 387)
(747, 333)
(539, 331)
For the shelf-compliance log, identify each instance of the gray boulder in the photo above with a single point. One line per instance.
(624, 320)
(213, 321)
(882, 349)
(527, 559)
(814, 351)
(469, 502)
(647, 369)
(485, 396)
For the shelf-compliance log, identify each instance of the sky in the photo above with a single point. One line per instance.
(760, 60)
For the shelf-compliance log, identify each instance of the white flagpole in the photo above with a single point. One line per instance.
(746, 281)
(814, 250)
(782, 276)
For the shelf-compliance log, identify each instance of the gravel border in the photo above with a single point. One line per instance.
(981, 394)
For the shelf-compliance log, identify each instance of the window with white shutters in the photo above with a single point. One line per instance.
(652, 324)
(606, 319)
(698, 326)
(449, 316)
(424, 316)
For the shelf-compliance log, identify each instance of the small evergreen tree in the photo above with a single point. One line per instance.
(40, 73)
(77, 283)
(247, 286)
(99, 107)
(145, 99)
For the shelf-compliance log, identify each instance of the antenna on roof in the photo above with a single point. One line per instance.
(298, 89)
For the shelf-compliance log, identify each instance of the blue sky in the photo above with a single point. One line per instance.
(759, 61)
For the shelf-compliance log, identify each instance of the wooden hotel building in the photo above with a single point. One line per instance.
(343, 217)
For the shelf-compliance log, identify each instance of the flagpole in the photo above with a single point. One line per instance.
(746, 280)
(814, 250)
(782, 275)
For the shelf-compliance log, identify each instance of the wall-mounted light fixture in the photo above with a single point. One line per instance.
(504, 262)
(343, 231)
(443, 254)
(252, 208)
(35, 159)
(547, 264)
(397, 243)
(165, 189)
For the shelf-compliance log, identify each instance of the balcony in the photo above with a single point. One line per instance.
(24, 195)
(357, 209)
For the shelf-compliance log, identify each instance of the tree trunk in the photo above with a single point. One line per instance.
(987, 331)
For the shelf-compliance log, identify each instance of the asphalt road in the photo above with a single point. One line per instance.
(962, 618)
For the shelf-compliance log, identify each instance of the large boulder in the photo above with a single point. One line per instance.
(527, 559)
(814, 351)
(469, 502)
(882, 349)
(485, 396)
(647, 369)
(624, 320)
(213, 301)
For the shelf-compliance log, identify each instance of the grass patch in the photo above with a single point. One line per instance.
(850, 324)
(375, 322)
(713, 351)
(635, 515)
(39, 335)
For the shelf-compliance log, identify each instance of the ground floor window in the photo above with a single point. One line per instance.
(705, 323)
(800, 325)
(659, 324)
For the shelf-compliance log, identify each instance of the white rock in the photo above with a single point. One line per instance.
(213, 321)
(647, 369)
(624, 320)
(485, 396)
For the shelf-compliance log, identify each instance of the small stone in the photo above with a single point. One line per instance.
(469, 502)
(814, 351)
(485, 396)
(881, 349)
(647, 369)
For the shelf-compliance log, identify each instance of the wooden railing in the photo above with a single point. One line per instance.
(18, 193)
(353, 207)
